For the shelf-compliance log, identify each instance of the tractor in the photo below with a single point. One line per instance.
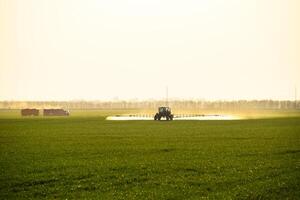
(164, 112)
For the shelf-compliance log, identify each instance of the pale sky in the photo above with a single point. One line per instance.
(200, 49)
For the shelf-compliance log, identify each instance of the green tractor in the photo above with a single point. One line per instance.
(164, 112)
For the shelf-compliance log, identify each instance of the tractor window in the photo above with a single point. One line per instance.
(164, 109)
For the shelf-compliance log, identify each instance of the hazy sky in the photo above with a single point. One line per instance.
(204, 49)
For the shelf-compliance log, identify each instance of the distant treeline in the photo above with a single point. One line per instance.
(177, 104)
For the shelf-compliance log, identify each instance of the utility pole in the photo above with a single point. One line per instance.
(295, 97)
(167, 96)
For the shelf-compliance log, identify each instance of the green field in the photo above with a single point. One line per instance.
(87, 157)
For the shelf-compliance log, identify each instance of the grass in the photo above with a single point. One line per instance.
(87, 157)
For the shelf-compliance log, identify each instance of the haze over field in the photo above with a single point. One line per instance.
(212, 49)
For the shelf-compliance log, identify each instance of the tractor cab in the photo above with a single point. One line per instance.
(163, 112)
(164, 109)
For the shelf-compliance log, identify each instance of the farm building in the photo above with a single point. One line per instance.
(30, 112)
(55, 112)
